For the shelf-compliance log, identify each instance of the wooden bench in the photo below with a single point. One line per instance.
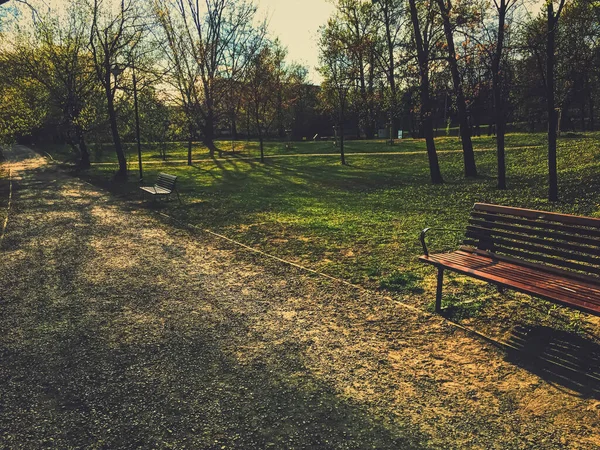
(552, 256)
(165, 185)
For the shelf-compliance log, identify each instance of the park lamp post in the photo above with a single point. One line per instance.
(116, 71)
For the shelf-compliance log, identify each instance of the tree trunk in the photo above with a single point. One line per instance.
(370, 132)
(261, 143)
(112, 115)
(552, 166)
(342, 116)
(591, 127)
(426, 121)
(434, 165)
(84, 162)
(190, 140)
(260, 134)
(208, 137)
(247, 124)
(465, 129)
(234, 130)
(498, 99)
(391, 71)
(582, 115)
(280, 126)
(342, 154)
(363, 112)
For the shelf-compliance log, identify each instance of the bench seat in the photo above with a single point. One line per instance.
(156, 190)
(551, 286)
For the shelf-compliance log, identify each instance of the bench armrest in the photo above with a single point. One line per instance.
(423, 235)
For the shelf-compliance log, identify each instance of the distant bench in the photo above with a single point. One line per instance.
(547, 255)
(165, 185)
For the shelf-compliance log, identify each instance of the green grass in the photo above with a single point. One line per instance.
(361, 222)
(177, 151)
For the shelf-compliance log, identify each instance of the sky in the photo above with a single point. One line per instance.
(296, 23)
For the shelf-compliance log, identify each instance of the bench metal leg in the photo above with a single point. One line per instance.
(438, 294)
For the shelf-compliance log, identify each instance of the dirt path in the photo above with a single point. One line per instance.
(120, 330)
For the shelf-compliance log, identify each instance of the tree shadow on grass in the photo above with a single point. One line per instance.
(560, 357)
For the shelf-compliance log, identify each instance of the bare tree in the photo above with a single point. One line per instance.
(502, 7)
(113, 36)
(183, 70)
(446, 11)
(552, 25)
(246, 40)
(262, 88)
(424, 36)
(338, 69)
(203, 35)
(390, 13)
(357, 30)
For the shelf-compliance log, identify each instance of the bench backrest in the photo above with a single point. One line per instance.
(166, 181)
(562, 241)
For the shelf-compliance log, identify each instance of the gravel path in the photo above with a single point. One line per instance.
(121, 330)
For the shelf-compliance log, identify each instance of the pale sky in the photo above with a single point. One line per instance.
(296, 23)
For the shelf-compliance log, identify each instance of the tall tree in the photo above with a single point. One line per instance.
(183, 70)
(338, 69)
(199, 36)
(390, 14)
(242, 47)
(552, 25)
(502, 9)
(423, 36)
(112, 37)
(57, 56)
(23, 106)
(357, 30)
(263, 90)
(446, 11)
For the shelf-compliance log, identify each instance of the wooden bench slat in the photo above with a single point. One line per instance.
(587, 300)
(491, 221)
(479, 232)
(156, 190)
(535, 265)
(542, 258)
(560, 284)
(578, 253)
(539, 215)
(514, 279)
(528, 231)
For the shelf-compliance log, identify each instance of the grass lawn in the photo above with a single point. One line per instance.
(360, 222)
(176, 151)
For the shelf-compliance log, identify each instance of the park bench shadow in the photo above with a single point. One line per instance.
(560, 357)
